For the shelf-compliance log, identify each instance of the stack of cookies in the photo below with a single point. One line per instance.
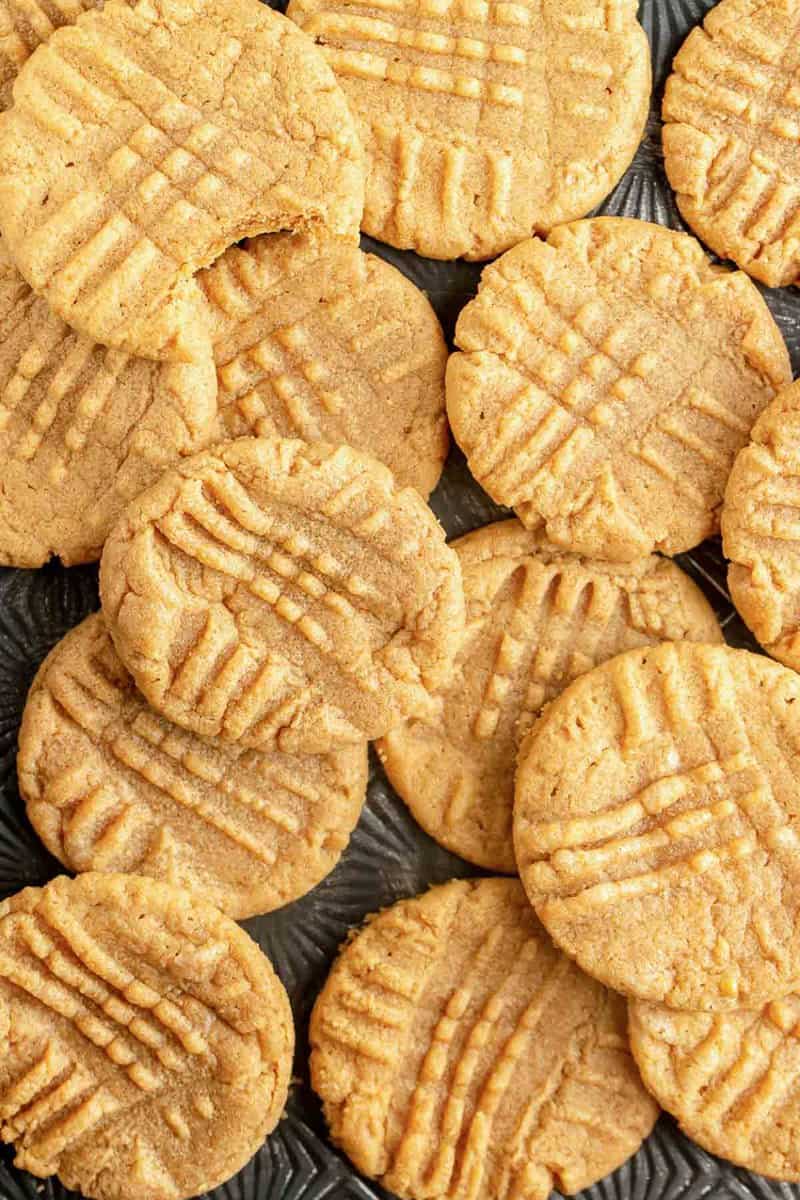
(207, 385)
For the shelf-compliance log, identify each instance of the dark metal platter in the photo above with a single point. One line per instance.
(389, 856)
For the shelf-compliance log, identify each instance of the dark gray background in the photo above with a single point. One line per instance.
(389, 857)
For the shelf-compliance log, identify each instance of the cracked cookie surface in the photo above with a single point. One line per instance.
(146, 139)
(484, 121)
(732, 135)
(110, 785)
(83, 429)
(283, 595)
(24, 25)
(657, 825)
(606, 380)
(537, 617)
(315, 339)
(136, 1021)
(458, 1054)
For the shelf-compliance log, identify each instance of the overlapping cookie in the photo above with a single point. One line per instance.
(458, 1054)
(283, 595)
(537, 617)
(145, 1041)
(606, 380)
(145, 139)
(315, 339)
(111, 786)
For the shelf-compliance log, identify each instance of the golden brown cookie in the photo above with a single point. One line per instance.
(459, 1055)
(537, 617)
(283, 595)
(145, 1040)
(315, 339)
(83, 429)
(111, 786)
(608, 377)
(761, 529)
(732, 1080)
(484, 122)
(732, 135)
(657, 825)
(145, 139)
(24, 25)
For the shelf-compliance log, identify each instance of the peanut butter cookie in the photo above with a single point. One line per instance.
(657, 825)
(145, 1041)
(483, 122)
(111, 786)
(83, 429)
(537, 617)
(145, 139)
(24, 25)
(283, 595)
(608, 378)
(761, 529)
(315, 339)
(732, 135)
(458, 1054)
(732, 1080)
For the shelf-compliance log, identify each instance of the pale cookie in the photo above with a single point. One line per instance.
(608, 378)
(145, 1041)
(656, 825)
(144, 140)
(24, 25)
(732, 135)
(284, 596)
(483, 121)
(315, 339)
(83, 429)
(761, 529)
(111, 786)
(460, 1056)
(537, 617)
(732, 1080)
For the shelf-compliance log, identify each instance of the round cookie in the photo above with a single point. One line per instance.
(145, 139)
(111, 786)
(537, 617)
(761, 529)
(730, 1079)
(732, 135)
(485, 122)
(657, 825)
(83, 429)
(315, 339)
(283, 595)
(458, 1054)
(607, 379)
(24, 25)
(136, 1024)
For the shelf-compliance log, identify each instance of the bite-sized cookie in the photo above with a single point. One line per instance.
(83, 429)
(145, 1041)
(761, 529)
(732, 1080)
(537, 617)
(732, 135)
(458, 1054)
(657, 825)
(484, 122)
(315, 339)
(24, 25)
(608, 378)
(145, 139)
(111, 786)
(283, 595)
